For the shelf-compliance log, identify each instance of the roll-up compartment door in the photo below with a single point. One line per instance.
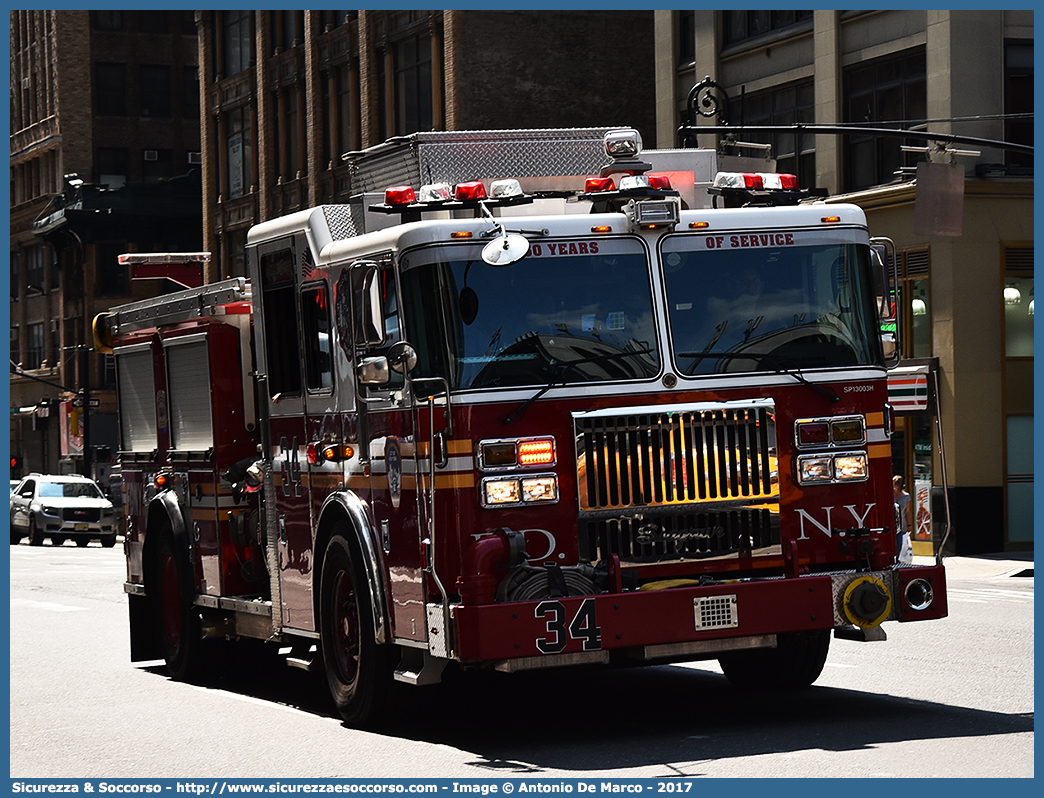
(137, 398)
(188, 389)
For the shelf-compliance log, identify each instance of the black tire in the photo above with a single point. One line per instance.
(175, 619)
(358, 671)
(36, 537)
(82, 542)
(57, 540)
(795, 663)
(108, 541)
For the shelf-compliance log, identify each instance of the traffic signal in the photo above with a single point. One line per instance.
(16, 463)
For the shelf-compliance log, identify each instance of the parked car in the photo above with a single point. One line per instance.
(61, 508)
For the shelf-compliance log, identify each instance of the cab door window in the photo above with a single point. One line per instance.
(280, 318)
(315, 319)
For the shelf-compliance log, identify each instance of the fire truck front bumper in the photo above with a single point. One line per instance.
(691, 622)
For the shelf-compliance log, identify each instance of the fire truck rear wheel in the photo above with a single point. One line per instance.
(358, 671)
(796, 662)
(176, 621)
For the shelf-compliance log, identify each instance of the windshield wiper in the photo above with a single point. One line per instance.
(557, 378)
(779, 367)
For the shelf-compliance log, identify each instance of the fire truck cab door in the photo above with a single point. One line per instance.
(301, 408)
(390, 434)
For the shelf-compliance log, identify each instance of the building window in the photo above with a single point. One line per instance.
(154, 21)
(743, 25)
(240, 161)
(16, 356)
(110, 164)
(34, 349)
(686, 37)
(1018, 99)
(345, 92)
(190, 90)
(916, 303)
(110, 274)
(236, 30)
(1018, 301)
(34, 272)
(287, 29)
(157, 165)
(15, 273)
(107, 20)
(293, 133)
(794, 153)
(890, 92)
(334, 19)
(413, 100)
(111, 89)
(155, 91)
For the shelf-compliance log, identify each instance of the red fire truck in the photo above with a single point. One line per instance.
(520, 423)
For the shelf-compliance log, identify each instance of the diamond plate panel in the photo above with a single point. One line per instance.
(456, 156)
(341, 221)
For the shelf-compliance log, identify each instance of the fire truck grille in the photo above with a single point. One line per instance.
(688, 536)
(700, 454)
(682, 482)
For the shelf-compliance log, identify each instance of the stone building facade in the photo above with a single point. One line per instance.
(967, 287)
(104, 113)
(286, 93)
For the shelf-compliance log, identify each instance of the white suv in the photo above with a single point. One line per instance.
(61, 507)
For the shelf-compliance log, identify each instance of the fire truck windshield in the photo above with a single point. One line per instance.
(768, 302)
(570, 311)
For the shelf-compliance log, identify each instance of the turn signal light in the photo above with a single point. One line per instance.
(338, 452)
(539, 452)
(498, 455)
(164, 479)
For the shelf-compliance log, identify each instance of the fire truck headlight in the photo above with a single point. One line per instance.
(814, 469)
(501, 491)
(850, 467)
(540, 489)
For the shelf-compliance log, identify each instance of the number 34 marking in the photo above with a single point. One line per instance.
(583, 626)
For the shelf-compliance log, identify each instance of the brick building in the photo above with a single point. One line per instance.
(286, 93)
(104, 138)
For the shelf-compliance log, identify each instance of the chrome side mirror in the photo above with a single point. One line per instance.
(374, 371)
(402, 358)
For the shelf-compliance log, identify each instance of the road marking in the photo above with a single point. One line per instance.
(45, 605)
(984, 595)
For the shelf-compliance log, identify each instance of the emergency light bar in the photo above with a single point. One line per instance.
(404, 200)
(757, 188)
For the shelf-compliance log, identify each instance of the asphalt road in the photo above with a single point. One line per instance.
(950, 698)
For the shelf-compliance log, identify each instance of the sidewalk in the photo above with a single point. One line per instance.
(984, 566)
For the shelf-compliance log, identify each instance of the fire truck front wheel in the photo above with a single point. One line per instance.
(176, 621)
(795, 662)
(358, 670)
